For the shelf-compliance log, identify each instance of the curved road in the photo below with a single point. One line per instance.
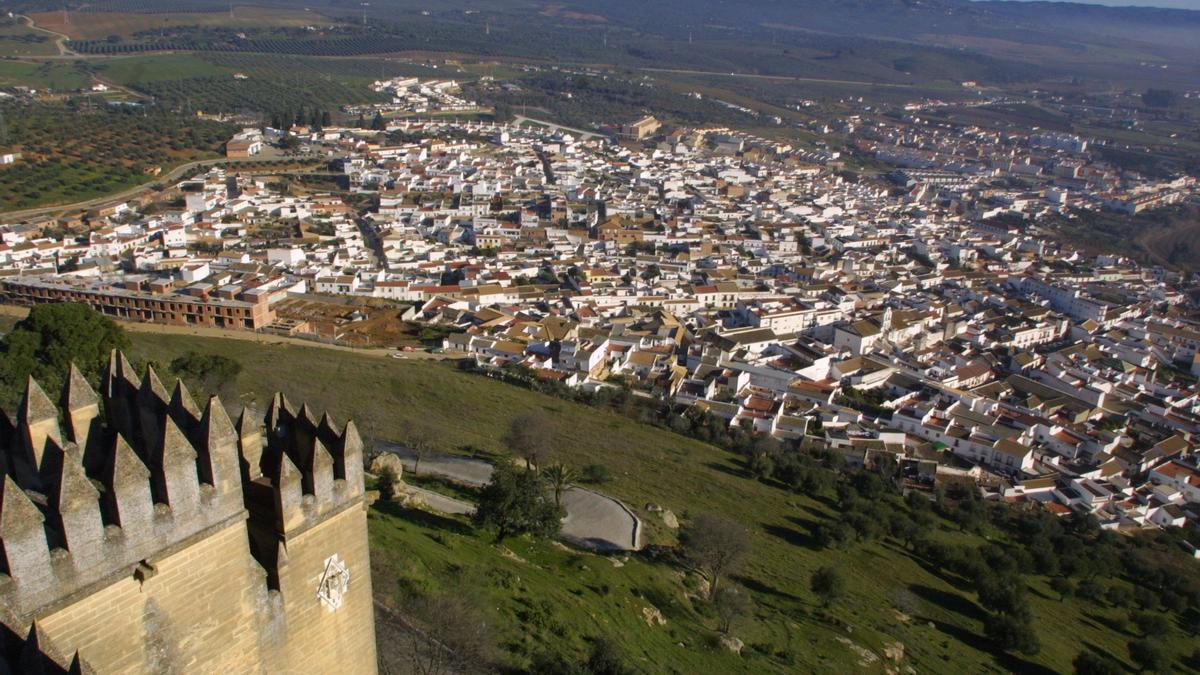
(593, 520)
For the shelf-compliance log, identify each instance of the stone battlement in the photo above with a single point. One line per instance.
(139, 472)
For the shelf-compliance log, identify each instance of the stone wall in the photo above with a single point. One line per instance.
(141, 533)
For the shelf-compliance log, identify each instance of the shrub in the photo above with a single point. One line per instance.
(595, 474)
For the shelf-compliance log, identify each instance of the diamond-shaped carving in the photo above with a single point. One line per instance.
(335, 581)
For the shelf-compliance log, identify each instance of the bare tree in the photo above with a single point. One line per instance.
(434, 636)
(531, 437)
(714, 546)
(419, 441)
(731, 605)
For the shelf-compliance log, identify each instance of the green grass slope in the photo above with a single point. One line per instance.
(548, 597)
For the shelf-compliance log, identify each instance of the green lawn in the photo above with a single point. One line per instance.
(49, 75)
(156, 68)
(558, 597)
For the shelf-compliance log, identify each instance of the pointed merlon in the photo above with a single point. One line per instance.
(24, 551)
(18, 515)
(127, 497)
(352, 443)
(35, 405)
(78, 394)
(327, 431)
(153, 387)
(173, 471)
(250, 445)
(215, 423)
(305, 416)
(318, 481)
(73, 505)
(175, 445)
(350, 457)
(121, 378)
(80, 667)
(182, 402)
(289, 495)
(217, 449)
(247, 425)
(38, 655)
(37, 422)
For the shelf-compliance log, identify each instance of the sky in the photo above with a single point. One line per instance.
(1176, 4)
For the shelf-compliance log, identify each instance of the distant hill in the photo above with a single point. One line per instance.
(909, 41)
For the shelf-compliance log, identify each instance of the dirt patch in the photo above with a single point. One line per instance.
(560, 12)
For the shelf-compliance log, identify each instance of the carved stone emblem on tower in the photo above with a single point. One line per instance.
(335, 581)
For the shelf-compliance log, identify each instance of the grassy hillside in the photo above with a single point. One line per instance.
(547, 595)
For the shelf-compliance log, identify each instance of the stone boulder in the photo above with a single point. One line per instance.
(653, 617)
(670, 520)
(732, 644)
(387, 460)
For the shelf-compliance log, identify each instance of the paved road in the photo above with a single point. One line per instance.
(599, 522)
(593, 520)
(474, 472)
(440, 502)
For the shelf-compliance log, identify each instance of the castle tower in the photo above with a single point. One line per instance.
(141, 532)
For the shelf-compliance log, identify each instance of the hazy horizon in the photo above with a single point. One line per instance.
(1166, 4)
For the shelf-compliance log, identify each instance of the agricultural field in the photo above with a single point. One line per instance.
(18, 39)
(53, 75)
(546, 603)
(135, 70)
(73, 153)
(265, 84)
(102, 25)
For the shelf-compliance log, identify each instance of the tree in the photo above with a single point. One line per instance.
(530, 437)
(827, 584)
(1011, 633)
(1150, 656)
(605, 658)
(46, 343)
(559, 476)
(595, 474)
(1003, 594)
(378, 124)
(731, 605)
(387, 483)
(453, 636)
(419, 442)
(1089, 663)
(761, 465)
(1118, 595)
(1063, 586)
(515, 503)
(714, 546)
(1159, 98)
(1151, 624)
